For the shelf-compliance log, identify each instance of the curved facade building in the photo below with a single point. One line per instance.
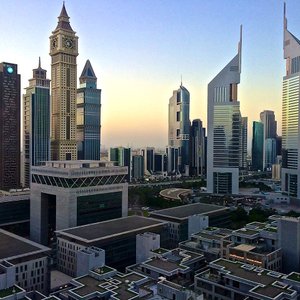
(224, 129)
(290, 115)
(179, 126)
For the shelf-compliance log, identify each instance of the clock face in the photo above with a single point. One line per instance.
(69, 43)
(54, 43)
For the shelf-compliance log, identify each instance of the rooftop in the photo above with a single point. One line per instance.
(13, 246)
(111, 228)
(265, 282)
(175, 193)
(121, 286)
(184, 211)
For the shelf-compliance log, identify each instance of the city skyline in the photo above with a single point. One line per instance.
(144, 49)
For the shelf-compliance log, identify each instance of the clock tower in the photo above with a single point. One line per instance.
(63, 52)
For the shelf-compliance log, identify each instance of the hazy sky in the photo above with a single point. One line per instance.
(140, 48)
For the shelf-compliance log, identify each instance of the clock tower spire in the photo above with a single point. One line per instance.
(63, 52)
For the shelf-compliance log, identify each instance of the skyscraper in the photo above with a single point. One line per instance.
(244, 143)
(36, 122)
(179, 126)
(197, 148)
(223, 132)
(137, 167)
(148, 154)
(290, 115)
(88, 115)
(63, 52)
(267, 117)
(9, 126)
(257, 145)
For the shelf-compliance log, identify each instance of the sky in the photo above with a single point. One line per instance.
(139, 49)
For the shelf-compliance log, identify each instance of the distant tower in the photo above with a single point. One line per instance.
(290, 115)
(267, 117)
(36, 122)
(88, 115)
(122, 156)
(257, 145)
(179, 126)
(9, 126)
(197, 148)
(224, 129)
(63, 52)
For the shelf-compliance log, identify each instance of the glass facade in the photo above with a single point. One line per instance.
(226, 143)
(222, 183)
(257, 145)
(97, 208)
(179, 126)
(122, 156)
(36, 123)
(88, 116)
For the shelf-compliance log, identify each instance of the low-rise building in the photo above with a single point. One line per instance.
(226, 279)
(191, 218)
(24, 263)
(117, 237)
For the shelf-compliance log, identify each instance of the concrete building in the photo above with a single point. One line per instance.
(117, 237)
(185, 220)
(224, 129)
(88, 115)
(257, 146)
(65, 194)
(197, 148)
(179, 127)
(63, 52)
(234, 280)
(289, 241)
(24, 263)
(36, 123)
(276, 172)
(10, 138)
(145, 244)
(290, 180)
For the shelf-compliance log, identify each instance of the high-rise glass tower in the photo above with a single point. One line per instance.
(267, 117)
(88, 115)
(36, 122)
(63, 52)
(257, 145)
(197, 148)
(9, 126)
(290, 178)
(224, 129)
(179, 126)
(122, 156)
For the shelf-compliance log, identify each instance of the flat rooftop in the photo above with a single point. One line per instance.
(13, 246)
(265, 282)
(184, 211)
(107, 229)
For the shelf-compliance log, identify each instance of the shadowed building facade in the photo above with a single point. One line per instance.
(9, 126)
(224, 129)
(63, 52)
(88, 115)
(290, 115)
(257, 145)
(36, 122)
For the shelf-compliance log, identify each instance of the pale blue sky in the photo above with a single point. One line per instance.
(140, 48)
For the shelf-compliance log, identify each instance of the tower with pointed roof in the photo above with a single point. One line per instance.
(179, 130)
(36, 123)
(224, 128)
(290, 177)
(88, 115)
(63, 52)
